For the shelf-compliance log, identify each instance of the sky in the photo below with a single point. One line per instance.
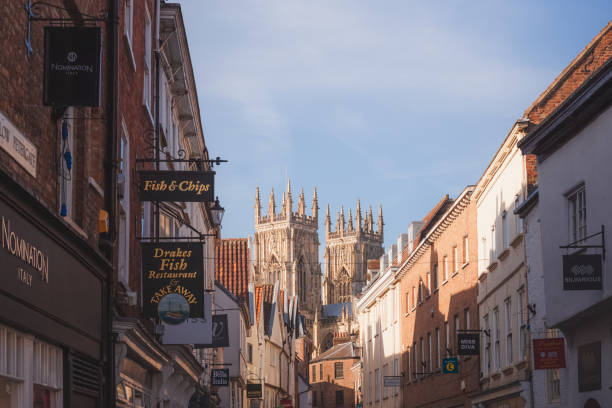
(391, 102)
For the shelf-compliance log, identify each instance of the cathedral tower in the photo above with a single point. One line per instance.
(347, 250)
(286, 248)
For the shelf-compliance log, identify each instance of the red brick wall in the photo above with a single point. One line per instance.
(450, 299)
(21, 101)
(590, 59)
(326, 387)
(138, 123)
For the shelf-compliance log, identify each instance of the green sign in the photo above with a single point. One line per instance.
(450, 365)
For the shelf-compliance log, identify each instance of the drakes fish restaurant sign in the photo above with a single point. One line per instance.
(173, 281)
(184, 186)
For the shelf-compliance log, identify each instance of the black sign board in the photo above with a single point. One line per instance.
(219, 377)
(253, 390)
(582, 272)
(173, 281)
(72, 66)
(468, 344)
(220, 333)
(185, 186)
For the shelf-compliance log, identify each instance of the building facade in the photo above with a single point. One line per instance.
(56, 261)
(347, 250)
(571, 145)
(286, 249)
(333, 381)
(437, 286)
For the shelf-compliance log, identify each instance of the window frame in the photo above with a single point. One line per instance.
(338, 369)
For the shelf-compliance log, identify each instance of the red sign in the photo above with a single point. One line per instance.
(548, 353)
(285, 401)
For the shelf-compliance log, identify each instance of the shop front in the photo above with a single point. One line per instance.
(52, 308)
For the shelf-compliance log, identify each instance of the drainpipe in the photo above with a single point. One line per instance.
(110, 196)
(156, 130)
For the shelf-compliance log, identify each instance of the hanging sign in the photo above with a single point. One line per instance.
(184, 186)
(173, 281)
(582, 272)
(193, 330)
(72, 66)
(219, 377)
(220, 333)
(450, 365)
(468, 344)
(254, 390)
(548, 353)
(392, 381)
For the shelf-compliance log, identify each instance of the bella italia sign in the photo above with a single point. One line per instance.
(185, 186)
(173, 281)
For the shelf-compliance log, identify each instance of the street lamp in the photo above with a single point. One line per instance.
(216, 212)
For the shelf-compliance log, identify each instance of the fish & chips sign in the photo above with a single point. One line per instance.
(183, 186)
(173, 281)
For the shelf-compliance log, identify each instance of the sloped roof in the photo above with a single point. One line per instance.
(593, 56)
(265, 293)
(232, 266)
(338, 352)
(335, 309)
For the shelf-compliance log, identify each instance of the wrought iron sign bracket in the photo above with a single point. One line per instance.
(486, 332)
(33, 13)
(574, 245)
(181, 159)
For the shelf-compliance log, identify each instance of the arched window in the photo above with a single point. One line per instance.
(274, 269)
(301, 280)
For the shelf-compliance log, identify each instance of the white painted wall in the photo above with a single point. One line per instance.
(583, 159)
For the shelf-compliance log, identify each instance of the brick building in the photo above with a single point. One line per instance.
(333, 381)
(57, 266)
(437, 282)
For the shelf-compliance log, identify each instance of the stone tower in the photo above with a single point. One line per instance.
(347, 250)
(286, 248)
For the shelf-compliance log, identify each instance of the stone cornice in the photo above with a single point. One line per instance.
(451, 214)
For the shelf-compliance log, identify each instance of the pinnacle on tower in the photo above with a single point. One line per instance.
(271, 205)
(301, 204)
(257, 205)
(327, 221)
(350, 221)
(358, 216)
(370, 220)
(283, 204)
(315, 204)
(380, 220)
(289, 201)
(340, 220)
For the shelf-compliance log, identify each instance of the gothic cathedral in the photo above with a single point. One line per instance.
(286, 249)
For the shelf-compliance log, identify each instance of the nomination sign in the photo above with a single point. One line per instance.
(183, 186)
(72, 66)
(173, 281)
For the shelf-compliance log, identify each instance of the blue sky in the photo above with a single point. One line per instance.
(392, 102)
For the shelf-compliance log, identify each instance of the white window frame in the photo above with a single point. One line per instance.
(455, 259)
(508, 324)
(517, 219)
(521, 324)
(445, 262)
(496, 341)
(439, 359)
(486, 362)
(577, 214)
(505, 231)
(147, 93)
(466, 254)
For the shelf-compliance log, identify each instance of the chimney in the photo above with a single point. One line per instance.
(402, 242)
